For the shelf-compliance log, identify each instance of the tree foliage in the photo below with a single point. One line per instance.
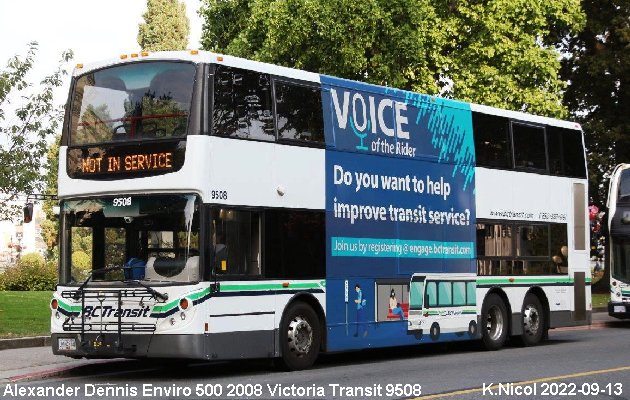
(166, 26)
(50, 226)
(25, 135)
(599, 92)
(496, 52)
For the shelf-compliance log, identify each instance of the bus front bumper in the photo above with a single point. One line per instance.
(619, 310)
(94, 345)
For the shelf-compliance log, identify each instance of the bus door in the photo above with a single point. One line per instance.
(416, 301)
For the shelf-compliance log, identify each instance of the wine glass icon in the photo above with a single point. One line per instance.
(360, 135)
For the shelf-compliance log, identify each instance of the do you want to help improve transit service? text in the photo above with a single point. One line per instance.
(426, 186)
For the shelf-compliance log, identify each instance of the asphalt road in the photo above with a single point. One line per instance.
(591, 363)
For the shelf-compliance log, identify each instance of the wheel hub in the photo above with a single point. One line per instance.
(494, 324)
(300, 335)
(531, 320)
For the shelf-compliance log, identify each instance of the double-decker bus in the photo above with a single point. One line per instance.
(218, 208)
(618, 246)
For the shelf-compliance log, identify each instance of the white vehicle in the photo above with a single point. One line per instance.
(219, 208)
(445, 304)
(618, 251)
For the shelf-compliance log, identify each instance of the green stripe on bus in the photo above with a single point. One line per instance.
(518, 280)
(165, 307)
(198, 295)
(270, 286)
(68, 307)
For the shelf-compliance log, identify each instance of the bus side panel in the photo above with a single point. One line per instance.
(399, 200)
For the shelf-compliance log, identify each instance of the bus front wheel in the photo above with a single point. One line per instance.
(533, 320)
(493, 322)
(434, 332)
(300, 336)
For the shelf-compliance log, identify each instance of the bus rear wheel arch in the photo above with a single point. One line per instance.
(300, 336)
(494, 322)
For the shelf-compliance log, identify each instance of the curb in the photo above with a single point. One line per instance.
(19, 343)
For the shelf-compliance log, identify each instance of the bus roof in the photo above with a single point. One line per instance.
(200, 56)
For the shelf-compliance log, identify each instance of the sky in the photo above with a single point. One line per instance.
(94, 30)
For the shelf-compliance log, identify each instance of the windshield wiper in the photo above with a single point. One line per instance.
(157, 295)
(82, 287)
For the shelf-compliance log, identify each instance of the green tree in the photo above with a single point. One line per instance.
(50, 226)
(166, 26)
(502, 52)
(24, 136)
(497, 52)
(598, 95)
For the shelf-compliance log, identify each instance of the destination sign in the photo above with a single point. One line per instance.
(123, 161)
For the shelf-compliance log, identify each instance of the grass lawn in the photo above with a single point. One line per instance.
(600, 299)
(24, 313)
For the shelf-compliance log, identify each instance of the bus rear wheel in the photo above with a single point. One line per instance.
(300, 337)
(493, 322)
(533, 317)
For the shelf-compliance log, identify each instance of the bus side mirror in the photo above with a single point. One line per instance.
(28, 213)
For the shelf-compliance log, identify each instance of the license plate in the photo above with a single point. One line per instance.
(65, 344)
(620, 309)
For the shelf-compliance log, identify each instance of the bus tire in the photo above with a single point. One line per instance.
(533, 320)
(494, 322)
(300, 337)
(434, 332)
(472, 329)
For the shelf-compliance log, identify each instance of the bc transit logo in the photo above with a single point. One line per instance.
(109, 311)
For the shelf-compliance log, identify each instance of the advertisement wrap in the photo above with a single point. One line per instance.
(400, 199)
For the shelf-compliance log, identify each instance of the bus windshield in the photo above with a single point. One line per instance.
(147, 100)
(621, 260)
(152, 238)
(624, 186)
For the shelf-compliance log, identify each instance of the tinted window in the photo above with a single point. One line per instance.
(146, 100)
(512, 248)
(529, 147)
(624, 185)
(299, 112)
(532, 241)
(242, 104)
(621, 260)
(492, 141)
(236, 242)
(295, 244)
(494, 240)
(566, 152)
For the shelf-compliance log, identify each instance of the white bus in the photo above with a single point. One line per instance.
(618, 246)
(219, 208)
